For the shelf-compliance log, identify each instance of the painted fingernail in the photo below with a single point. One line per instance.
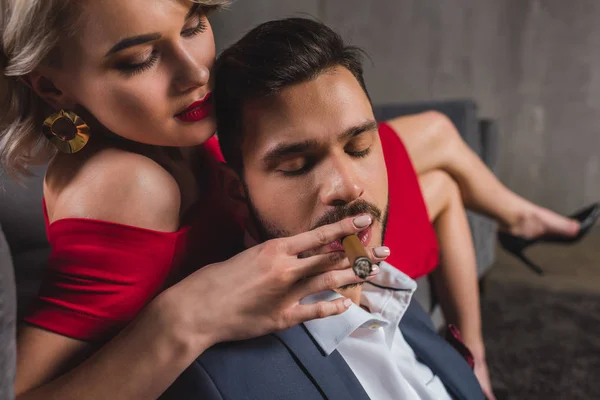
(375, 270)
(363, 221)
(381, 252)
(347, 303)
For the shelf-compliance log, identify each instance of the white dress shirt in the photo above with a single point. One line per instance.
(372, 344)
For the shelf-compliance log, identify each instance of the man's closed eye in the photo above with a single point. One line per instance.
(295, 166)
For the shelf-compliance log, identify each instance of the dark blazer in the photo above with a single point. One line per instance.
(290, 366)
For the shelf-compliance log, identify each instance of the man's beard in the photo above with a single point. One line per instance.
(268, 230)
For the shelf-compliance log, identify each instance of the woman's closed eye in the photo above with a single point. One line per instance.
(195, 26)
(146, 60)
(139, 63)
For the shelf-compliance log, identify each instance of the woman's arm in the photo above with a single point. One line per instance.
(254, 293)
(141, 362)
(115, 186)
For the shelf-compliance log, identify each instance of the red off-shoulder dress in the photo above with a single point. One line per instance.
(409, 235)
(101, 274)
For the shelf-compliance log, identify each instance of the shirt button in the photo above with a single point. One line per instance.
(374, 326)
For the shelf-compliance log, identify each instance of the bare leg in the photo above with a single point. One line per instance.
(433, 142)
(455, 280)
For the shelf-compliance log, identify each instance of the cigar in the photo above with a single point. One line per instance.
(359, 259)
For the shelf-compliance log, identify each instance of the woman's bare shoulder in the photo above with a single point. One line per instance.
(113, 185)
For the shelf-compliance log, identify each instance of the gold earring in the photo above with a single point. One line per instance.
(67, 131)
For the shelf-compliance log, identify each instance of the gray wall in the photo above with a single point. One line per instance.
(534, 65)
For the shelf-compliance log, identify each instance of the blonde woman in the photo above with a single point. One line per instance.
(121, 92)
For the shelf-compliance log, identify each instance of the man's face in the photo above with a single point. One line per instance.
(312, 156)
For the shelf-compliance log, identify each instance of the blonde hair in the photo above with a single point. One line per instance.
(30, 31)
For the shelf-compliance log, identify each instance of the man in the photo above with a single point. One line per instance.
(306, 151)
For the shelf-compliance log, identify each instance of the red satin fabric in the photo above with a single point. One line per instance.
(410, 236)
(101, 274)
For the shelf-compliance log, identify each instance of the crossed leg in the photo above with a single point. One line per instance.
(453, 177)
(433, 142)
(455, 280)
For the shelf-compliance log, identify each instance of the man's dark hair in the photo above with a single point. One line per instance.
(273, 56)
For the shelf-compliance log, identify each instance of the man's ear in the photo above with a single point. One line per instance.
(44, 87)
(234, 189)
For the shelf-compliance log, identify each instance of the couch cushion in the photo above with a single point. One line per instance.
(7, 321)
(21, 212)
(462, 113)
(22, 220)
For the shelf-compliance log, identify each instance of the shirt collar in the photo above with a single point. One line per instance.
(387, 308)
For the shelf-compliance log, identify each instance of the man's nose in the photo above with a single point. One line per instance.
(341, 186)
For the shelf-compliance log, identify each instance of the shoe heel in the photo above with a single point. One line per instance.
(516, 245)
(533, 266)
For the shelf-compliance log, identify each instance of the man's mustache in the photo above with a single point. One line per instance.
(349, 210)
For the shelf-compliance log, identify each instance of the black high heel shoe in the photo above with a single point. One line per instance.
(515, 245)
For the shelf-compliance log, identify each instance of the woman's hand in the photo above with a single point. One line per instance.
(477, 349)
(254, 293)
(259, 290)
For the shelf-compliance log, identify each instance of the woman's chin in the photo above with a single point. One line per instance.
(193, 134)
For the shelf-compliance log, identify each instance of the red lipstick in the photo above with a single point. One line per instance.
(197, 111)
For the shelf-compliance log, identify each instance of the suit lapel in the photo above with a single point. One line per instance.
(330, 373)
(437, 354)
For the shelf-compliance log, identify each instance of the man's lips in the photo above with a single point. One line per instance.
(196, 111)
(364, 236)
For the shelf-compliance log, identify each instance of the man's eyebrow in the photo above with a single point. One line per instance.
(357, 130)
(285, 149)
(150, 37)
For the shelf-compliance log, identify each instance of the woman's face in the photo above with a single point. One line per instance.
(142, 69)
